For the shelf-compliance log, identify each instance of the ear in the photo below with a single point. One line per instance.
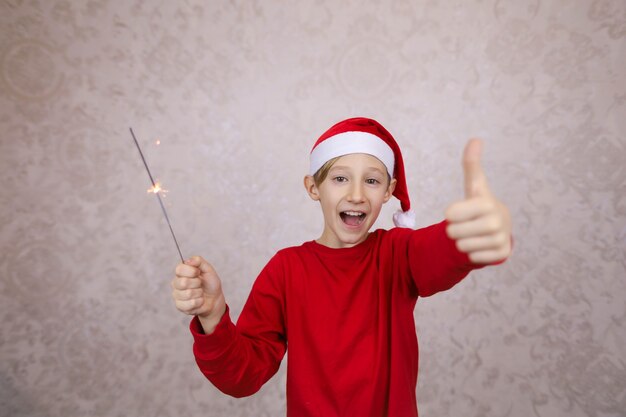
(311, 188)
(390, 189)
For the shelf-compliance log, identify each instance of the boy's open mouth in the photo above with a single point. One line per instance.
(352, 218)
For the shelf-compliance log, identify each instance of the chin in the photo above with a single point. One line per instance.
(353, 239)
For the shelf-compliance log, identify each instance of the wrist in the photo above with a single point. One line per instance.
(210, 321)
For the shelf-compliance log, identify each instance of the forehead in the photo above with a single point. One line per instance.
(360, 160)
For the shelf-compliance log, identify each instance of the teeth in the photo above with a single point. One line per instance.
(353, 213)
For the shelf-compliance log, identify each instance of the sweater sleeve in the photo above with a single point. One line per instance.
(239, 359)
(435, 263)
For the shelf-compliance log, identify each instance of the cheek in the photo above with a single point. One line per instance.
(328, 207)
(380, 196)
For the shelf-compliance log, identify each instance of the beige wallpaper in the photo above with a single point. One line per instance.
(236, 92)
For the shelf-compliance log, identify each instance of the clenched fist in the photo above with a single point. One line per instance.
(480, 224)
(197, 290)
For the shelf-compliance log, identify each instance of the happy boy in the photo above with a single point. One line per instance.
(343, 303)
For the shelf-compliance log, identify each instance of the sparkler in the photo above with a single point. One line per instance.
(157, 189)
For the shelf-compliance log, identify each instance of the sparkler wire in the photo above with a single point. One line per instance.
(157, 194)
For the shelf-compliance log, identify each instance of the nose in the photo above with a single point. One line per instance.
(355, 194)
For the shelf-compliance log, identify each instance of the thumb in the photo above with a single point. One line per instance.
(210, 280)
(474, 176)
(202, 264)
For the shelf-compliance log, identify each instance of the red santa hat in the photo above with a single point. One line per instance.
(362, 135)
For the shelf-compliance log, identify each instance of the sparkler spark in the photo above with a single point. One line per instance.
(157, 189)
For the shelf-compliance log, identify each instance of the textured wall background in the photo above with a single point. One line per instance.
(237, 92)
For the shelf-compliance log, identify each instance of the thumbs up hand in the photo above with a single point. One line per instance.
(480, 224)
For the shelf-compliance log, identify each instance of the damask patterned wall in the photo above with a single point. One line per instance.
(236, 92)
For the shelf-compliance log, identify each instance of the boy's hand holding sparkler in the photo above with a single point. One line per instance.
(480, 224)
(197, 290)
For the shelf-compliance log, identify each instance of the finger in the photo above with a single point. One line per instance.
(200, 263)
(484, 225)
(189, 306)
(469, 209)
(184, 270)
(474, 176)
(189, 294)
(489, 256)
(182, 283)
(482, 243)
(194, 261)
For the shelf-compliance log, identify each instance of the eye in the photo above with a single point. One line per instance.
(339, 178)
(372, 181)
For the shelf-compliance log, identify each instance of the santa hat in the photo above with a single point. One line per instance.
(362, 135)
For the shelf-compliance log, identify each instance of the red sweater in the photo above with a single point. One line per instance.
(347, 316)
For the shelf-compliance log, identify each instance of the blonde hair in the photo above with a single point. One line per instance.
(322, 173)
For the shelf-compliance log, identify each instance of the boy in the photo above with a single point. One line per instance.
(344, 302)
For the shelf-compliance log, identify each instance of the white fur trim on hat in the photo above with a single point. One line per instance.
(351, 142)
(404, 219)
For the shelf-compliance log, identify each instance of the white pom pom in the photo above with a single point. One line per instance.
(404, 219)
